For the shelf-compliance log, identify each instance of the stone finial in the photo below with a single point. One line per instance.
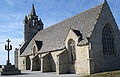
(26, 18)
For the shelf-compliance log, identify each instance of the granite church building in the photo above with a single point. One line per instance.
(84, 44)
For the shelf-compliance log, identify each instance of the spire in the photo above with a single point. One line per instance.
(105, 1)
(33, 10)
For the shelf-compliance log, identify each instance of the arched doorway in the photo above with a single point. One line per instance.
(108, 40)
(28, 63)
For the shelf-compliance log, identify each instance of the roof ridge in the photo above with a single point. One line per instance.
(84, 12)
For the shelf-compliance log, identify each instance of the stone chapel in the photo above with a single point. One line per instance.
(83, 44)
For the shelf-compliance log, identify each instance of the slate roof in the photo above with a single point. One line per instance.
(53, 37)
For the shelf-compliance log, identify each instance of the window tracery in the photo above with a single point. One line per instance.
(108, 40)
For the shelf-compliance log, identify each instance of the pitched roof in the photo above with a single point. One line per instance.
(54, 36)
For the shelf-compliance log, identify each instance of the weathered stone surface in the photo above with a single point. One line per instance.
(36, 64)
(62, 63)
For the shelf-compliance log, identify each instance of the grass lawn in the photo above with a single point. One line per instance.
(105, 74)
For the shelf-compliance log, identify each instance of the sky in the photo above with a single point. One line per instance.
(12, 14)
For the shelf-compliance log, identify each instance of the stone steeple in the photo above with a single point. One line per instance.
(32, 24)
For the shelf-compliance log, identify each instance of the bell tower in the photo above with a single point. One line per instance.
(32, 24)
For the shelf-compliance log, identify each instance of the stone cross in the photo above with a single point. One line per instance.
(8, 47)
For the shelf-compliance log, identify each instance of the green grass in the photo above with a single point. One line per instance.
(105, 74)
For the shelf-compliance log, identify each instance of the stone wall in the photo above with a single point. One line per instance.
(16, 57)
(55, 59)
(36, 63)
(100, 61)
(20, 60)
(46, 63)
(62, 63)
(82, 60)
(21, 63)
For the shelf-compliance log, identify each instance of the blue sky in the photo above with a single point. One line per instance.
(12, 13)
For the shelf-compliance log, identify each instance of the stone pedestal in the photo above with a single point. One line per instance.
(10, 70)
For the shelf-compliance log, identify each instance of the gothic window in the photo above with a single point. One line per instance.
(108, 40)
(71, 48)
(34, 50)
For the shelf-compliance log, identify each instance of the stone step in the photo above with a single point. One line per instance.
(10, 70)
(8, 66)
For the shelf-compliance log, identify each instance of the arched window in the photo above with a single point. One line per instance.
(34, 50)
(108, 40)
(71, 48)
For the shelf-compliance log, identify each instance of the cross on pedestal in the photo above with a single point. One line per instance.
(8, 47)
(9, 69)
